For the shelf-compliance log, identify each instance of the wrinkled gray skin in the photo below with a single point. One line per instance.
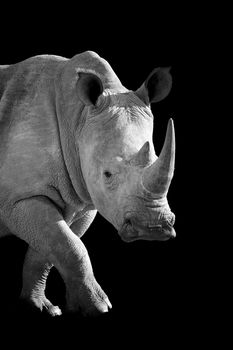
(73, 140)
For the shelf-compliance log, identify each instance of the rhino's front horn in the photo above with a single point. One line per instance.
(157, 177)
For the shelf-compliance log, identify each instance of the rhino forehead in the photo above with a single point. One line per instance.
(119, 143)
(117, 110)
(119, 127)
(127, 101)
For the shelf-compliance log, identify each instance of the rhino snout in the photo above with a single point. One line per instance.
(134, 228)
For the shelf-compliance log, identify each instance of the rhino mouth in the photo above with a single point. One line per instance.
(132, 231)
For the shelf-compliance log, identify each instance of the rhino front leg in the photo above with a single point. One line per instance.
(89, 289)
(36, 269)
(37, 221)
(35, 272)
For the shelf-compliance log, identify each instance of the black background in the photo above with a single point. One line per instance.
(156, 288)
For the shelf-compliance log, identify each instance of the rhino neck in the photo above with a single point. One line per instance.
(67, 114)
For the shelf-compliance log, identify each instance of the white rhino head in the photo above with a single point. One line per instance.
(127, 182)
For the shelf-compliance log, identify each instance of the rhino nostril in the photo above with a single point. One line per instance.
(128, 222)
(172, 220)
(169, 220)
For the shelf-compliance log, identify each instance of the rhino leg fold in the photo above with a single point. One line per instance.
(37, 221)
(35, 272)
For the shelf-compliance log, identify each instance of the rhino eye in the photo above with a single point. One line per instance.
(107, 174)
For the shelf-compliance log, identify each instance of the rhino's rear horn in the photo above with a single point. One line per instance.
(143, 156)
(157, 177)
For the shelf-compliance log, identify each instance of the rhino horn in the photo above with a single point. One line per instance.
(142, 157)
(157, 177)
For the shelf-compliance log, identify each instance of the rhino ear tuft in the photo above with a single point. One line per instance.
(156, 87)
(89, 87)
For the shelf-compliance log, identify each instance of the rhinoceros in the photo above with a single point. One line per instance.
(74, 141)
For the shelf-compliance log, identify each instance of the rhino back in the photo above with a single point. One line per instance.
(29, 138)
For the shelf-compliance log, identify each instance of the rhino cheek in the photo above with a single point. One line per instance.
(102, 203)
(91, 168)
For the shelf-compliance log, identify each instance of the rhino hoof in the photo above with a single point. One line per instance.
(96, 310)
(90, 299)
(51, 309)
(43, 304)
(54, 311)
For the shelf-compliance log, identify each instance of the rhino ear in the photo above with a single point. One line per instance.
(89, 87)
(156, 87)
